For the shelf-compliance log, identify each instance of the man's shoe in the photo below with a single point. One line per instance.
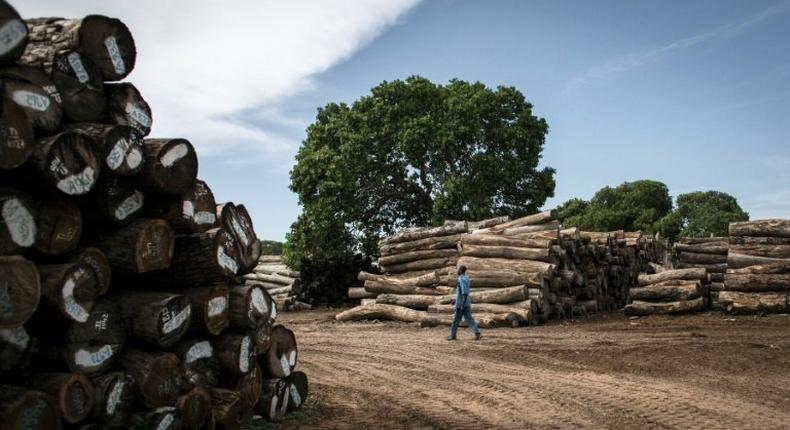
(450, 337)
(478, 336)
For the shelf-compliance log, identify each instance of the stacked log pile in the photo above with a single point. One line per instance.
(280, 281)
(709, 253)
(669, 292)
(122, 301)
(523, 271)
(758, 268)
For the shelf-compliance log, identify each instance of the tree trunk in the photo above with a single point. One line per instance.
(490, 222)
(410, 235)
(163, 418)
(718, 247)
(426, 244)
(279, 361)
(191, 212)
(113, 398)
(516, 231)
(67, 161)
(495, 240)
(426, 280)
(749, 240)
(144, 245)
(508, 252)
(474, 264)
(668, 291)
(20, 291)
(119, 147)
(275, 396)
(198, 361)
(115, 201)
(737, 261)
(126, 106)
(248, 385)
(523, 313)
(23, 408)
(356, 293)
(228, 409)
(297, 390)
(14, 33)
(170, 167)
(698, 258)
(71, 287)
(678, 274)
(406, 257)
(17, 349)
(250, 307)
(157, 376)
(649, 308)
(414, 301)
(388, 312)
(210, 308)
(35, 93)
(497, 296)
(204, 258)
(710, 268)
(388, 288)
(772, 251)
(16, 135)
(736, 302)
(235, 352)
(766, 227)
(195, 408)
(157, 318)
(73, 391)
(529, 220)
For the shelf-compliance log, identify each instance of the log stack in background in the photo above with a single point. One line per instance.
(709, 253)
(282, 283)
(523, 271)
(122, 297)
(758, 268)
(669, 291)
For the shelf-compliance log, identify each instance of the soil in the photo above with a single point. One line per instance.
(703, 371)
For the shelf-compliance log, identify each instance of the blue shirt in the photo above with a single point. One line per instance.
(462, 286)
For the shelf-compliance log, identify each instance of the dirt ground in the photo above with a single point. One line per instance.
(607, 371)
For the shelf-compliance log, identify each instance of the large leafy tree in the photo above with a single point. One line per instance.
(702, 214)
(415, 153)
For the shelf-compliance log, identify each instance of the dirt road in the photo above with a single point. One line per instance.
(693, 372)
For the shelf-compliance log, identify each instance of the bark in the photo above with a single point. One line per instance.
(736, 302)
(228, 409)
(240, 224)
(35, 93)
(71, 287)
(195, 408)
(426, 280)
(199, 362)
(410, 235)
(772, 251)
(497, 296)
(297, 390)
(356, 293)
(25, 408)
(552, 226)
(157, 376)
(157, 318)
(191, 212)
(703, 240)
(649, 308)
(748, 240)
(495, 240)
(250, 307)
(414, 301)
(698, 258)
(718, 247)
(508, 252)
(204, 258)
(142, 246)
(388, 312)
(97, 261)
(497, 279)
(73, 393)
(17, 350)
(710, 268)
(15, 34)
(16, 135)
(388, 288)
(126, 106)
(524, 313)
(738, 261)
(678, 274)
(59, 226)
(67, 161)
(406, 257)
(20, 291)
(485, 264)
(170, 167)
(263, 338)
(757, 282)
(119, 147)
(427, 264)
(657, 268)
(428, 243)
(668, 291)
(766, 227)
(210, 308)
(115, 201)
(777, 268)
(235, 352)
(279, 361)
(113, 398)
(18, 221)
(529, 220)
(162, 418)
(275, 394)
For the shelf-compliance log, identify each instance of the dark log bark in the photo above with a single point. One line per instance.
(698, 258)
(157, 376)
(16, 135)
(668, 291)
(170, 167)
(356, 293)
(414, 301)
(428, 243)
(508, 252)
(20, 291)
(97, 261)
(389, 288)
(649, 308)
(250, 306)
(194, 407)
(235, 352)
(191, 212)
(199, 362)
(526, 229)
(119, 147)
(210, 308)
(488, 264)
(228, 409)
(13, 32)
(107, 42)
(18, 228)
(59, 226)
(522, 311)
(73, 391)
(406, 257)
(157, 318)
(754, 241)
(126, 106)
(772, 251)
(410, 235)
(686, 274)
(737, 261)
(496, 240)
(280, 360)
(752, 282)
(33, 91)
(163, 418)
(79, 81)
(68, 162)
(113, 398)
(71, 287)
(274, 400)
(736, 302)
(23, 408)
(716, 277)
(204, 258)
(142, 246)
(16, 353)
(297, 390)
(484, 320)
(703, 240)
(766, 227)
(237, 221)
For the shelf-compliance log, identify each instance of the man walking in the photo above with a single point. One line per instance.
(463, 305)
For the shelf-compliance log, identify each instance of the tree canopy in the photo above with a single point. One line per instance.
(702, 214)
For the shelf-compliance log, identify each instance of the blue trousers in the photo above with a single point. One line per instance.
(466, 312)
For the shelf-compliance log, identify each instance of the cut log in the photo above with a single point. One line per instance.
(142, 246)
(263, 339)
(698, 258)
(508, 252)
(410, 235)
(157, 318)
(59, 226)
(204, 258)
(710, 268)
(428, 243)
(79, 81)
(106, 41)
(356, 293)
(250, 306)
(33, 91)
(736, 302)
(427, 264)
(426, 280)
(113, 398)
(198, 361)
(191, 212)
(498, 296)
(765, 227)
(686, 274)
(14, 33)
(483, 320)
(119, 147)
(529, 220)
(297, 390)
(517, 231)
(749, 240)
(414, 301)
(248, 386)
(157, 376)
(523, 313)
(753, 282)
(17, 349)
(194, 407)
(16, 135)
(20, 291)
(71, 287)
(279, 361)
(776, 268)
(496, 240)
(73, 391)
(719, 247)
(18, 228)
(387, 312)
(772, 251)
(649, 308)
(23, 408)
(657, 268)
(388, 288)
(67, 161)
(210, 308)
(274, 400)
(228, 409)
(163, 418)
(737, 261)
(474, 264)
(126, 106)
(170, 167)
(97, 261)
(235, 352)
(406, 257)
(668, 291)
(238, 222)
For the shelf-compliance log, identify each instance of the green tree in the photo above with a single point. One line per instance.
(271, 247)
(415, 153)
(702, 214)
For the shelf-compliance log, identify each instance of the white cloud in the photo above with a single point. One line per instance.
(617, 66)
(770, 204)
(209, 68)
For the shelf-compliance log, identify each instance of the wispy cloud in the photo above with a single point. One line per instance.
(212, 69)
(617, 66)
(772, 204)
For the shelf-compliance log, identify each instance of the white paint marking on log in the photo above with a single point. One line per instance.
(79, 184)
(114, 399)
(295, 395)
(225, 261)
(116, 156)
(115, 55)
(31, 100)
(244, 354)
(216, 306)
(188, 209)
(284, 405)
(204, 217)
(174, 323)
(16, 336)
(284, 364)
(274, 311)
(86, 358)
(70, 305)
(79, 69)
(138, 115)
(292, 358)
(167, 420)
(11, 33)
(174, 154)
(258, 302)
(129, 206)
(240, 231)
(20, 222)
(199, 350)
(134, 158)
(273, 407)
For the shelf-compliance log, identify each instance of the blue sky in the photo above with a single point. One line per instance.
(692, 93)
